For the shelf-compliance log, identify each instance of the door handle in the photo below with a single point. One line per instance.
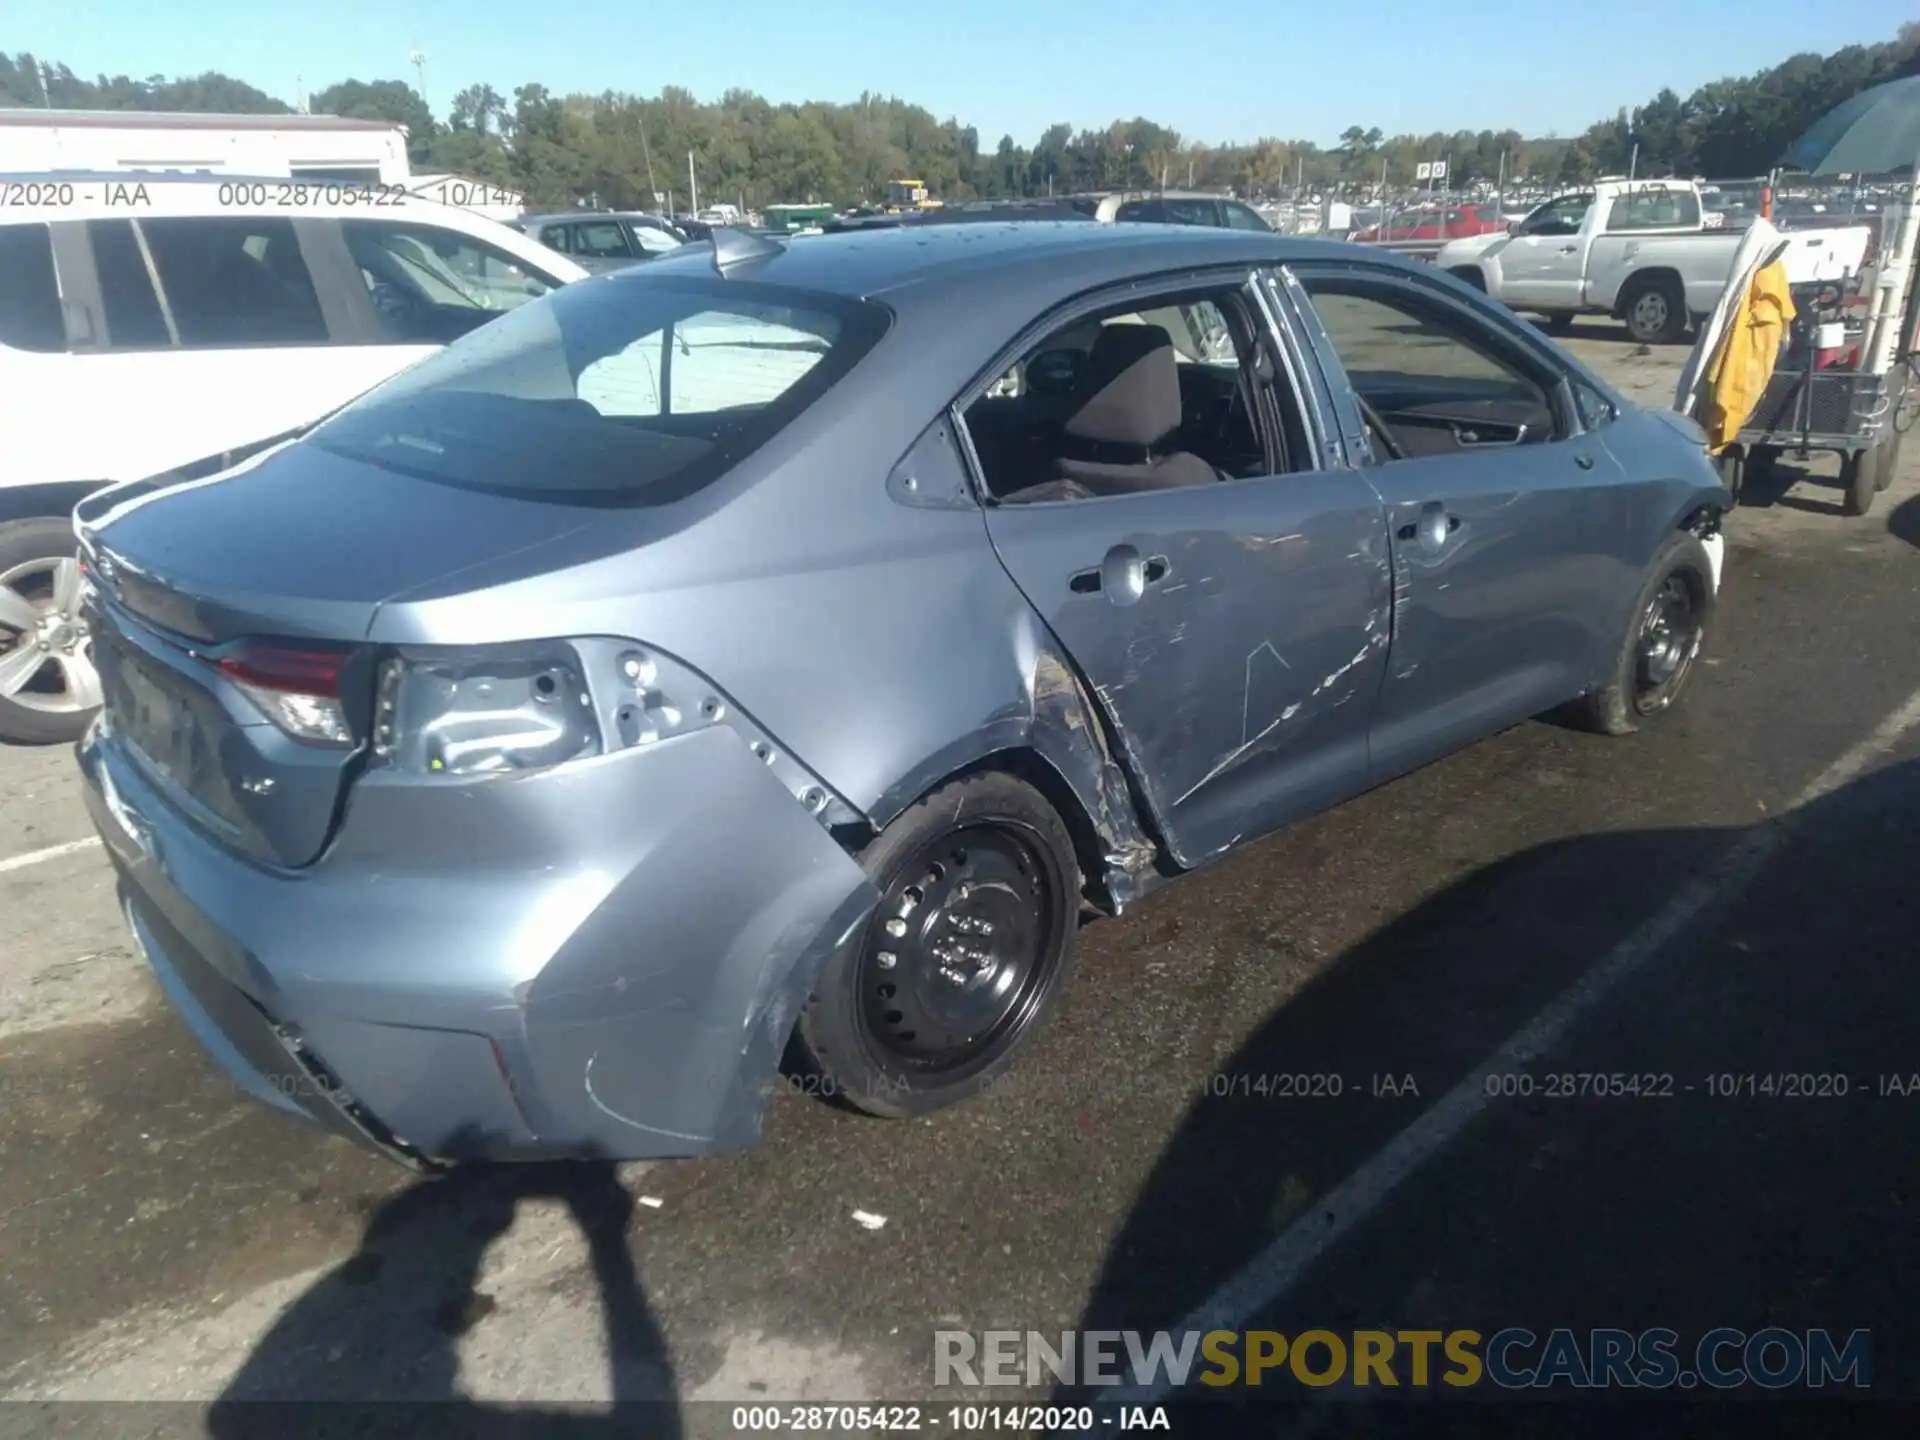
(1568, 249)
(1122, 576)
(1432, 530)
(1585, 462)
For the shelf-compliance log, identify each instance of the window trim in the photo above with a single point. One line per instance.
(1528, 352)
(1237, 280)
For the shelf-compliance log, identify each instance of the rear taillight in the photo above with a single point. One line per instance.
(298, 688)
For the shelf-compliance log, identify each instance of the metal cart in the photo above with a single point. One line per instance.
(1858, 415)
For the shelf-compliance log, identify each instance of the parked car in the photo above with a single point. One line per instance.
(1171, 207)
(160, 323)
(784, 644)
(1437, 222)
(600, 240)
(1639, 251)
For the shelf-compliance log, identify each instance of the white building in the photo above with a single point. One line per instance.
(307, 147)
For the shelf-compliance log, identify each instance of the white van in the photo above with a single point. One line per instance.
(154, 324)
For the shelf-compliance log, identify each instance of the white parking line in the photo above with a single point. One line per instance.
(52, 852)
(1277, 1268)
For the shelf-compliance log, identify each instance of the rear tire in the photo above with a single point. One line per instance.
(962, 961)
(1857, 480)
(1886, 459)
(1559, 322)
(1470, 275)
(1655, 309)
(1759, 466)
(1669, 622)
(55, 700)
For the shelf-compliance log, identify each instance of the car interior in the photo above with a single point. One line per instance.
(1426, 386)
(1124, 402)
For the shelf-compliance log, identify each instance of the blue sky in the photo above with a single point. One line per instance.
(1214, 70)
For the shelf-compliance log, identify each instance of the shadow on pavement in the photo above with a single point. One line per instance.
(1689, 1211)
(372, 1348)
(1904, 521)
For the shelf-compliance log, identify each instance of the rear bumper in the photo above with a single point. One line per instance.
(602, 960)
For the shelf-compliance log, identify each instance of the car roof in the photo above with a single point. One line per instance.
(1050, 259)
(550, 217)
(116, 195)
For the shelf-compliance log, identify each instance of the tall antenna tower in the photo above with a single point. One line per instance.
(417, 58)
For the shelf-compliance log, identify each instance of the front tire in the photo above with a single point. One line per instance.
(49, 689)
(961, 962)
(1657, 657)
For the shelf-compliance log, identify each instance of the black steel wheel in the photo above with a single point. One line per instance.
(1671, 629)
(1657, 657)
(961, 961)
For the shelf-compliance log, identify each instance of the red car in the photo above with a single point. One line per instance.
(1426, 223)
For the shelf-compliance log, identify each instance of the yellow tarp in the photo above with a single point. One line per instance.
(1744, 362)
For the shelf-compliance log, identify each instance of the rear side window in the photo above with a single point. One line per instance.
(1654, 210)
(235, 280)
(1144, 211)
(205, 283)
(601, 239)
(30, 317)
(1191, 212)
(633, 390)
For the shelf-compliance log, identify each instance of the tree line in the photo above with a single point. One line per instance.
(620, 149)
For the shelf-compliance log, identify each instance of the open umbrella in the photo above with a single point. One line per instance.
(1877, 132)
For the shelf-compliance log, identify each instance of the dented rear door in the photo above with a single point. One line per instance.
(1234, 633)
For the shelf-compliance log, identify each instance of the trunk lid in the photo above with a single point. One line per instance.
(299, 546)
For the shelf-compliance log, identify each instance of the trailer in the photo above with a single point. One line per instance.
(324, 148)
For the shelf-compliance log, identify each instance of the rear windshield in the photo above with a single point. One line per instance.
(631, 389)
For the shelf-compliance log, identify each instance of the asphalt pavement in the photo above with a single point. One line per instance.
(1334, 1082)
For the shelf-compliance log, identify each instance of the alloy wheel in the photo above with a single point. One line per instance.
(46, 649)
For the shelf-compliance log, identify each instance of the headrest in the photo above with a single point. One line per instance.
(1138, 400)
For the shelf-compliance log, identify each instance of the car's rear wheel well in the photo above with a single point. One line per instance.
(1031, 767)
(1470, 275)
(1034, 769)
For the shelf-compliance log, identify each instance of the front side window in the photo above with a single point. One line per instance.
(1244, 217)
(205, 283)
(30, 316)
(431, 285)
(1562, 215)
(1658, 209)
(633, 392)
(1429, 380)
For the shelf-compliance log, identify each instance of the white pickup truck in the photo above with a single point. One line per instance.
(1645, 252)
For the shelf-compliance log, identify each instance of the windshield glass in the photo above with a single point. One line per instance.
(640, 389)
